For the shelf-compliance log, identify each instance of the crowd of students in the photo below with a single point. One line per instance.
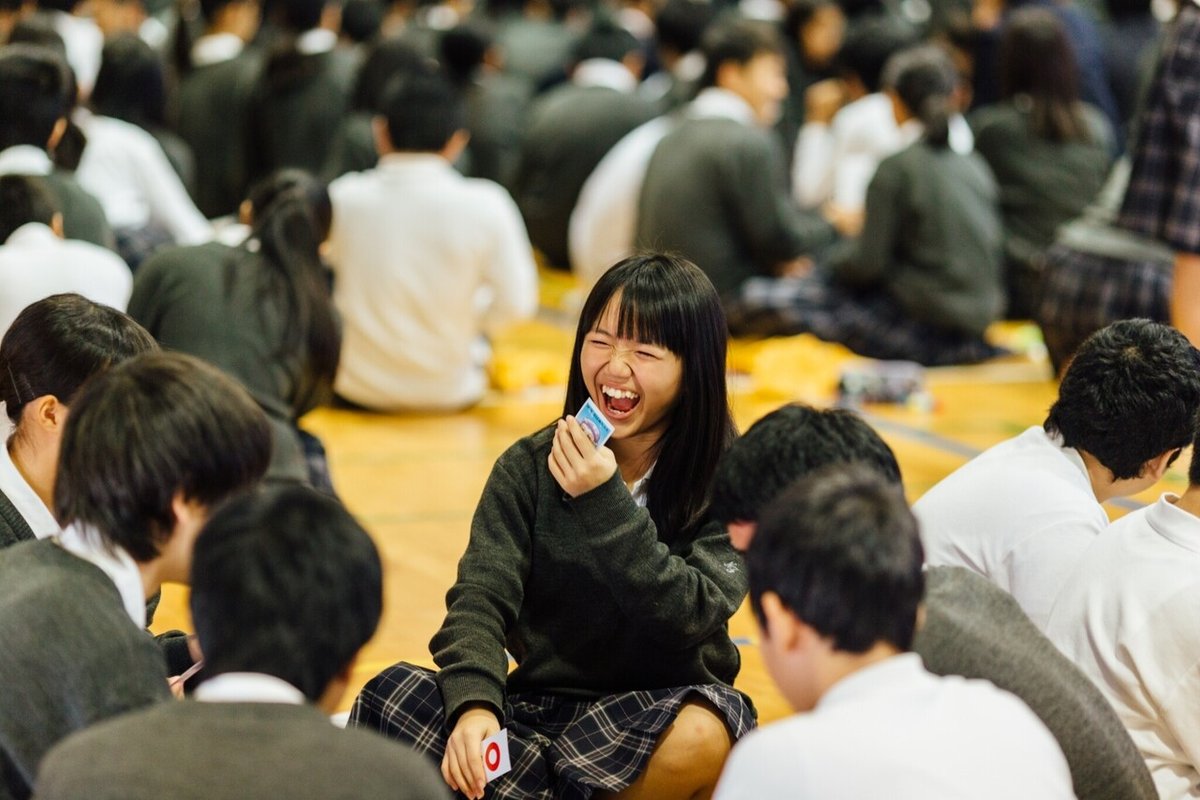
(890, 179)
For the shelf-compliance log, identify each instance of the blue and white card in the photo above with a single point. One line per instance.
(592, 420)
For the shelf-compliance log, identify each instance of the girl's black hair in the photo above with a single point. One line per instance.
(668, 301)
(56, 344)
(131, 85)
(291, 217)
(925, 80)
(1037, 62)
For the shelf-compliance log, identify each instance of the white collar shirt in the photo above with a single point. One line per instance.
(1021, 514)
(1127, 617)
(894, 730)
(24, 498)
(25, 159)
(215, 48)
(117, 564)
(248, 687)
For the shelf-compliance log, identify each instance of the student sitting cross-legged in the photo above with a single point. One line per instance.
(286, 588)
(835, 582)
(150, 447)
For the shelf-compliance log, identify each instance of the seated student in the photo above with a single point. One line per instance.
(45, 356)
(426, 261)
(970, 627)
(151, 445)
(835, 583)
(1023, 513)
(924, 279)
(1125, 616)
(35, 98)
(285, 590)
(642, 705)
(260, 311)
(31, 233)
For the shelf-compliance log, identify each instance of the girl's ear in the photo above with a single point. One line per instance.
(47, 413)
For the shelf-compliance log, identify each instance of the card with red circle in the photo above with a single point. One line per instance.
(495, 755)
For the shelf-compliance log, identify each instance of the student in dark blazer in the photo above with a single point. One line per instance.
(286, 588)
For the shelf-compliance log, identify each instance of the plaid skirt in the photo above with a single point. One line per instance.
(1082, 293)
(1163, 197)
(871, 324)
(561, 747)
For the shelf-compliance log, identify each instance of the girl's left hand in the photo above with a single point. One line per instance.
(577, 464)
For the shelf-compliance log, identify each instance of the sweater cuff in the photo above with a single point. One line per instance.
(462, 689)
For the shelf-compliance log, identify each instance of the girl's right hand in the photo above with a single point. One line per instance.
(575, 462)
(462, 766)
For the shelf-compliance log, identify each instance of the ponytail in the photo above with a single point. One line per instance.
(924, 79)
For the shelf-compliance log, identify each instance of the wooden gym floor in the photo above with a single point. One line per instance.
(413, 480)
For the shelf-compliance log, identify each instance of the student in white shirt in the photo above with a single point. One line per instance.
(1127, 617)
(427, 262)
(286, 588)
(835, 582)
(1022, 513)
(45, 356)
(31, 234)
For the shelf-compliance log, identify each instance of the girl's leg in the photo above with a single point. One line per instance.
(687, 759)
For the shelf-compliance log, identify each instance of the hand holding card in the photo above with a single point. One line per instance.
(592, 420)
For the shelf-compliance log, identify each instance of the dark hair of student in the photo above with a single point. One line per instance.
(669, 302)
(38, 30)
(462, 51)
(1194, 466)
(386, 60)
(422, 111)
(1038, 63)
(33, 94)
(800, 13)
(56, 344)
(735, 39)
(924, 79)
(130, 85)
(24, 199)
(868, 45)
(788, 444)
(681, 24)
(286, 65)
(362, 20)
(151, 427)
(286, 583)
(1131, 393)
(291, 215)
(194, 19)
(840, 549)
(605, 39)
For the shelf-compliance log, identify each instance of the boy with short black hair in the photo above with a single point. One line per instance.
(1022, 513)
(286, 589)
(150, 447)
(835, 582)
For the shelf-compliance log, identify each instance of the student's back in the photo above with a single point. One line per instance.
(209, 751)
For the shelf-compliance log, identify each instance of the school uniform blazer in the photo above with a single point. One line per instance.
(210, 751)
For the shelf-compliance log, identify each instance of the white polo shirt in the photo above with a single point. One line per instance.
(1129, 617)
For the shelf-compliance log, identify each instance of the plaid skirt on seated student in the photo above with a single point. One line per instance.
(561, 747)
(870, 323)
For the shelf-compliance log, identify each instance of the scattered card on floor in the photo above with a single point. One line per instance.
(592, 420)
(495, 755)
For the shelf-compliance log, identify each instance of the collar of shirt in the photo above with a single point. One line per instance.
(118, 565)
(215, 48)
(408, 162)
(21, 494)
(25, 159)
(1174, 524)
(880, 676)
(32, 235)
(1069, 453)
(248, 687)
(638, 490)
(715, 103)
(604, 72)
(318, 40)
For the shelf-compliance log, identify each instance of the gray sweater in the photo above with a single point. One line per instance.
(69, 656)
(975, 629)
(588, 596)
(13, 527)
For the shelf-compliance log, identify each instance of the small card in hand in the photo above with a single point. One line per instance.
(594, 422)
(496, 761)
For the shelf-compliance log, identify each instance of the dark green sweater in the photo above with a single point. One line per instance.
(13, 527)
(585, 593)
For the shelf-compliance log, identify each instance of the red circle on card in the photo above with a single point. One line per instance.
(492, 756)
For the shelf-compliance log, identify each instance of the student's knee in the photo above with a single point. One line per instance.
(696, 745)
